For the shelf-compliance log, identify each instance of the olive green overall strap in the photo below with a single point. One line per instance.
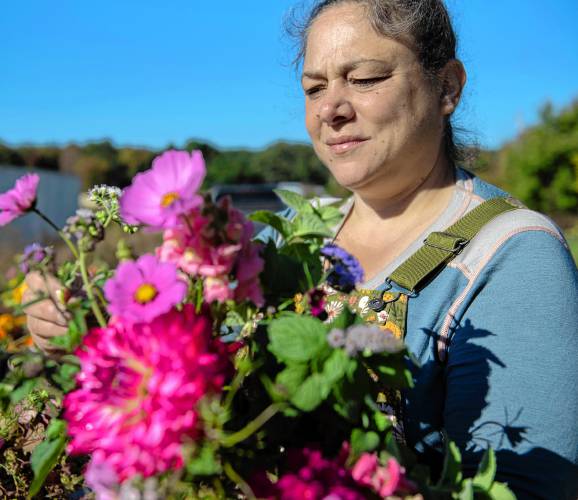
(441, 247)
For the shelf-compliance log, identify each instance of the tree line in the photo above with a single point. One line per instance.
(540, 166)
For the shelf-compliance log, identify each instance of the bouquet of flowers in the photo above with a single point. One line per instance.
(215, 366)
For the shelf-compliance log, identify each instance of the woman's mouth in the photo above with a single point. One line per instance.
(340, 145)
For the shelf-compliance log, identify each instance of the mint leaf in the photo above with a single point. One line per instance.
(297, 339)
(311, 393)
(486, 471)
(292, 377)
(280, 224)
(294, 200)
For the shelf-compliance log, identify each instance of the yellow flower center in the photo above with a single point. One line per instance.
(145, 293)
(169, 198)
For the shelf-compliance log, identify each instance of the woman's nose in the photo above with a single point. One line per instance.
(335, 109)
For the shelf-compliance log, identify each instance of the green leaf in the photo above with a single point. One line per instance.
(6, 390)
(330, 215)
(311, 393)
(486, 471)
(65, 376)
(467, 491)
(392, 447)
(306, 257)
(46, 454)
(282, 274)
(294, 200)
(205, 463)
(335, 366)
(452, 473)
(280, 224)
(381, 421)
(292, 377)
(23, 390)
(297, 339)
(362, 441)
(310, 225)
(500, 491)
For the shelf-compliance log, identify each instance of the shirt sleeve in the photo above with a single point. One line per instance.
(512, 369)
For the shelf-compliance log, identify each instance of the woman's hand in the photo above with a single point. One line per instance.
(46, 317)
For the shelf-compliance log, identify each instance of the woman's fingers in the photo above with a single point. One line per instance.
(44, 330)
(46, 346)
(45, 312)
(41, 299)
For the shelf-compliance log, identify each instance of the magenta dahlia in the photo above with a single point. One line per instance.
(160, 196)
(138, 389)
(311, 475)
(142, 290)
(18, 200)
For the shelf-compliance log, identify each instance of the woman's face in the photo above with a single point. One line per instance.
(374, 118)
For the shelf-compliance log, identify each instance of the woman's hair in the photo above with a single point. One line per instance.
(423, 24)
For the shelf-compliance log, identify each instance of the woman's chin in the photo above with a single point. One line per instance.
(352, 180)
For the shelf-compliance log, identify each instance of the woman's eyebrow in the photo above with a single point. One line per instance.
(349, 66)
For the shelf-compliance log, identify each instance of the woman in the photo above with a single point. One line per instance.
(495, 329)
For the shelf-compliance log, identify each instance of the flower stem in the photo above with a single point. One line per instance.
(234, 476)
(65, 238)
(253, 426)
(45, 219)
(89, 291)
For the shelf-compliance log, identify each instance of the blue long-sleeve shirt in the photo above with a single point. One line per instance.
(496, 335)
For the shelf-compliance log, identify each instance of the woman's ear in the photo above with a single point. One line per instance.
(453, 79)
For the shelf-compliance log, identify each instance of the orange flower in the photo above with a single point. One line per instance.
(396, 330)
(7, 322)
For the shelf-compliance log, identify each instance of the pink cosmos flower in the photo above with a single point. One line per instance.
(384, 480)
(161, 195)
(142, 290)
(18, 200)
(216, 245)
(138, 390)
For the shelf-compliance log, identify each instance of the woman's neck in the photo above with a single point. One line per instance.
(424, 201)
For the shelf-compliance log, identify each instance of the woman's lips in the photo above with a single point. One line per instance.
(346, 145)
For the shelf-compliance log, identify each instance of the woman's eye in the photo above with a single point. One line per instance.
(313, 90)
(366, 82)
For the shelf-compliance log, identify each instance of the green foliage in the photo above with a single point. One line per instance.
(541, 166)
(103, 163)
(486, 471)
(364, 441)
(451, 474)
(297, 339)
(46, 454)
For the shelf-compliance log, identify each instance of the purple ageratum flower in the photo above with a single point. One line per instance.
(161, 195)
(142, 290)
(33, 255)
(346, 271)
(18, 200)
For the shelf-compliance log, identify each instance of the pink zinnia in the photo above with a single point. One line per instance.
(145, 289)
(18, 200)
(161, 195)
(139, 386)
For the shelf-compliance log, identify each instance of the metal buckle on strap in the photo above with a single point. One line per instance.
(445, 241)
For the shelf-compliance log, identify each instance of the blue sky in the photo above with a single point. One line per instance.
(152, 73)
